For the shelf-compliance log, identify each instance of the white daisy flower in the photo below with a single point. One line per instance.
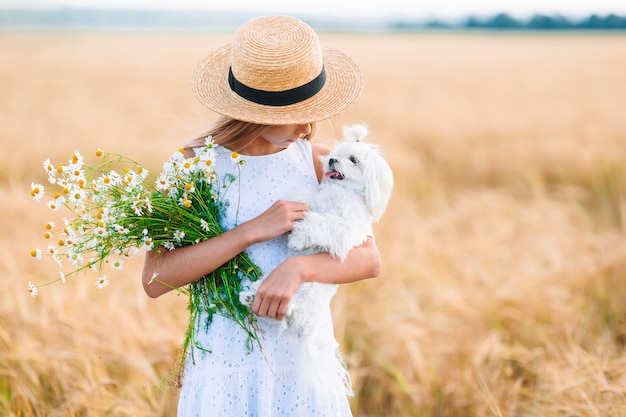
(52, 250)
(204, 225)
(163, 182)
(121, 229)
(179, 235)
(75, 196)
(50, 170)
(36, 191)
(235, 158)
(142, 172)
(76, 258)
(184, 202)
(76, 174)
(118, 264)
(208, 142)
(33, 290)
(147, 243)
(186, 166)
(102, 282)
(130, 178)
(77, 159)
(189, 187)
(100, 231)
(108, 179)
(54, 205)
(36, 253)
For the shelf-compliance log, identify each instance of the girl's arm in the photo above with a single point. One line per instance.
(182, 266)
(274, 294)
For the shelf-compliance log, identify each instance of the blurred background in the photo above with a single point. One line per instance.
(503, 291)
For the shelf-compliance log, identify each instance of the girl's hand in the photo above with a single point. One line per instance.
(275, 293)
(276, 220)
(277, 289)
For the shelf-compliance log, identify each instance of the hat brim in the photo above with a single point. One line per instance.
(343, 85)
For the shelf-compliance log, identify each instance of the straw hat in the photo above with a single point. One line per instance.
(275, 72)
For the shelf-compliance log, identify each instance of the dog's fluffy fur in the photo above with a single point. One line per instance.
(353, 194)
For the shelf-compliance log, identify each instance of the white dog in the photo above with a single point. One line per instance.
(353, 194)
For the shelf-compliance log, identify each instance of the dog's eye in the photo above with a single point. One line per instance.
(353, 160)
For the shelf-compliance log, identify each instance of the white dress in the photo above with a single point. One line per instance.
(230, 381)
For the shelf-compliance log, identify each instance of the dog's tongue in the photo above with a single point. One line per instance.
(329, 174)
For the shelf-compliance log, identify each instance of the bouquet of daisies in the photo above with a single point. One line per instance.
(117, 209)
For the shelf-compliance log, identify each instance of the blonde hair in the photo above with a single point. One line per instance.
(234, 134)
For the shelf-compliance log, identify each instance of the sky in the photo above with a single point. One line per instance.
(447, 9)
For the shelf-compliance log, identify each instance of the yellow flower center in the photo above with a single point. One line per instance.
(98, 152)
(33, 253)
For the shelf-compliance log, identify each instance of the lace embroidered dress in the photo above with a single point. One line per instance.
(282, 380)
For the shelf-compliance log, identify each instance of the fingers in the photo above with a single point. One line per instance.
(292, 210)
(275, 292)
(271, 300)
(278, 219)
(275, 309)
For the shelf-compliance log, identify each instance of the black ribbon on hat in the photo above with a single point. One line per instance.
(278, 98)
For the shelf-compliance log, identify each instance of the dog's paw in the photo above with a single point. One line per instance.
(247, 298)
(298, 241)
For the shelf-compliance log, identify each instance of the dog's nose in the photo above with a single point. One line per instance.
(332, 162)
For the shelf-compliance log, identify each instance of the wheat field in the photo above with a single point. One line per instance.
(503, 291)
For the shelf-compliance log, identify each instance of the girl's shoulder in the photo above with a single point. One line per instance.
(319, 151)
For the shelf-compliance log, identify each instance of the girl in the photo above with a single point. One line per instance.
(271, 85)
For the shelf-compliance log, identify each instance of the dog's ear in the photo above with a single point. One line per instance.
(379, 184)
(355, 133)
